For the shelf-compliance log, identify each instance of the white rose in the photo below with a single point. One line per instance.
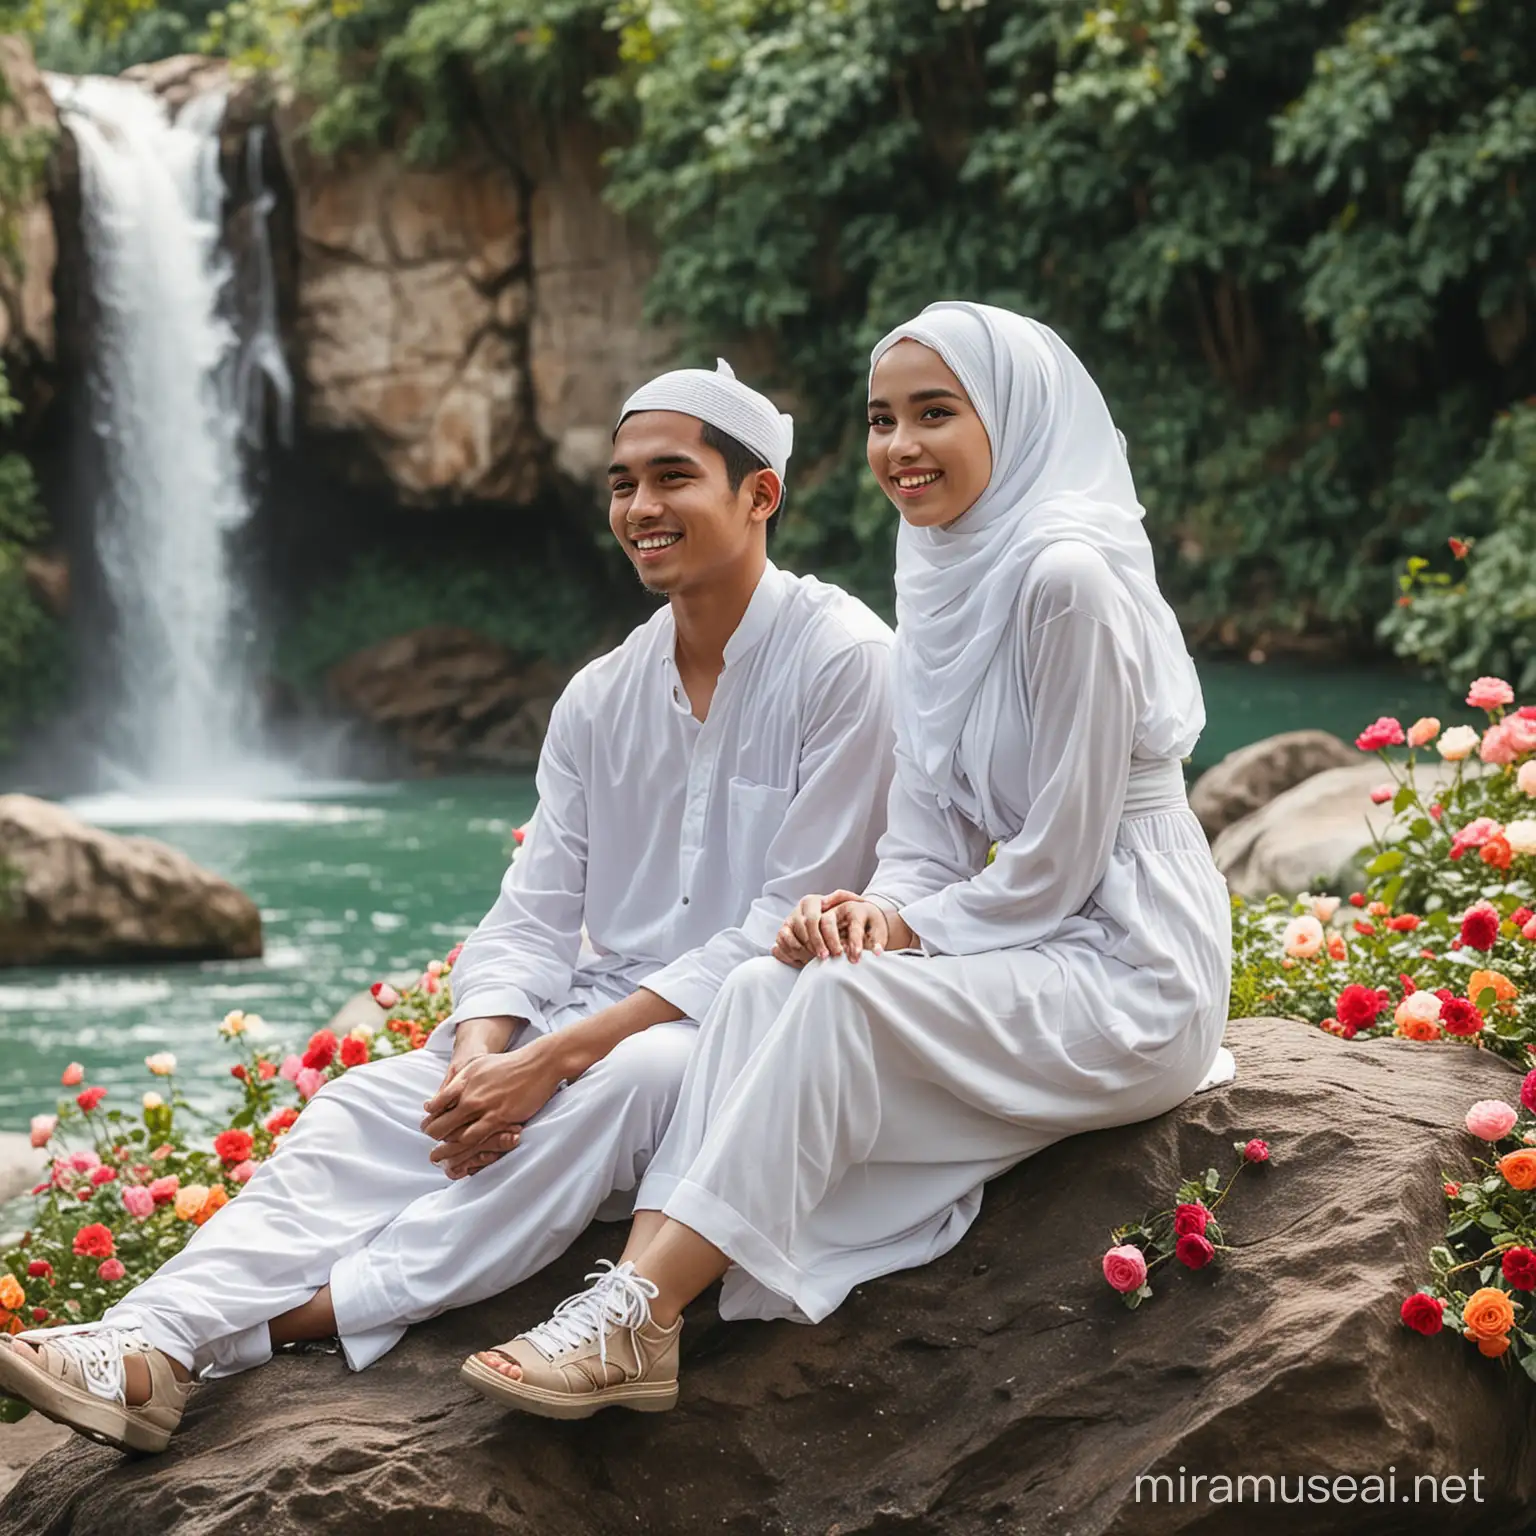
(1457, 743)
(1303, 937)
(1521, 836)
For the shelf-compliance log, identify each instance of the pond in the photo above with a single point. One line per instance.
(358, 881)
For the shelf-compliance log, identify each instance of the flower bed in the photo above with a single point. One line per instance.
(128, 1187)
(1441, 944)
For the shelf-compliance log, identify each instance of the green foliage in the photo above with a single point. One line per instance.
(1481, 621)
(104, 37)
(383, 595)
(1288, 236)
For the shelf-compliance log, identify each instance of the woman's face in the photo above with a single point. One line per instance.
(927, 446)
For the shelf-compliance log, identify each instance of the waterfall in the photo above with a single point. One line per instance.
(172, 392)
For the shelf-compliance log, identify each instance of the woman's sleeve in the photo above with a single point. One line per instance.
(924, 847)
(1079, 673)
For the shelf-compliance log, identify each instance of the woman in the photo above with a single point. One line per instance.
(839, 1120)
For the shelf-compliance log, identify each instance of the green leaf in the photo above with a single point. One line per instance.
(1212, 1179)
(1403, 799)
(1385, 862)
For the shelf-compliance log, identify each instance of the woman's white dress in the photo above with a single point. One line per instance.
(839, 1122)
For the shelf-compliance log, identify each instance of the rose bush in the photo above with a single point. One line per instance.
(129, 1185)
(1484, 1273)
(1441, 942)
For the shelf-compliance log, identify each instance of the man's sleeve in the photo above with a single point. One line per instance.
(828, 835)
(521, 958)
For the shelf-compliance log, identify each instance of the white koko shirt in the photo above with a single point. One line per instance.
(682, 845)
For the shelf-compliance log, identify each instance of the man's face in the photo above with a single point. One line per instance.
(671, 506)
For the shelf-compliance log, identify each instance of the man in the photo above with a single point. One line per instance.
(733, 753)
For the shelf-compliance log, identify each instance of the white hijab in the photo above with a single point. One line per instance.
(1059, 471)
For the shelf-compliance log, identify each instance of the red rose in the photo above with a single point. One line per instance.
(238, 1070)
(1452, 1190)
(1357, 898)
(94, 1242)
(1528, 1091)
(266, 1070)
(1406, 923)
(90, 1098)
(1365, 928)
(354, 1053)
(1521, 916)
(39, 1269)
(1460, 1017)
(1386, 732)
(1480, 928)
(233, 1146)
(282, 1120)
(1190, 1218)
(1407, 983)
(39, 1314)
(322, 1050)
(1424, 1314)
(1359, 1006)
(1520, 1268)
(1256, 1151)
(103, 1175)
(1194, 1250)
(1458, 548)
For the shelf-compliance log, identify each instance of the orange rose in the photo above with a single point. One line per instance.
(1487, 1317)
(1418, 1029)
(189, 1200)
(1497, 852)
(218, 1197)
(1492, 1348)
(1504, 990)
(15, 1325)
(12, 1297)
(1519, 1169)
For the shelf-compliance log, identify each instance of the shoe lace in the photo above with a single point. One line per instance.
(98, 1351)
(616, 1297)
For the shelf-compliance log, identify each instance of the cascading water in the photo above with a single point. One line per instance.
(172, 391)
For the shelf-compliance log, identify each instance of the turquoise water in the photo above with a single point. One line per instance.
(355, 882)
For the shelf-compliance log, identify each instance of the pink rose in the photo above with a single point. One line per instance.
(1386, 732)
(1303, 937)
(241, 1172)
(1497, 749)
(1125, 1268)
(1474, 835)
(1423, 731)
(138, 1201)
(74, 1074)
(1257, 1151)
(309, 1082)
(1491, 1119)
(291, 1067)
(1526, 778)
(1520, 732)
(112, 1271)
(83, 1162)
(103, 1175)
(1528, 1091)
(164, 1189)
(452, 957)
(384, 994)
(1490, 693)
(43, 1127)
(1382, 793)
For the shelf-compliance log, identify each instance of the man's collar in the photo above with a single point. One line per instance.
(767, 599)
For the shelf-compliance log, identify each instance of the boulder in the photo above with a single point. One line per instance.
(21, 1165)
(1310, 837)
(27, 115)
(178, 79)
(450, 697)
(361, 1010)
(1252, 776)
(72, 893)
(1002, 1388)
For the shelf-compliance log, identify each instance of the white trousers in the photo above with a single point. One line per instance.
(838, 1123)
(351, 1200)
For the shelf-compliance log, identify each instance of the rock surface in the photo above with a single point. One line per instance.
(26, 301)
(1003, 1388)
(20, 1164)
(450, 697)
(1246, 780)
(71, 892)
(1310, 837)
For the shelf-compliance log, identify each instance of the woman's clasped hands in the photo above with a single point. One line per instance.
(843, 923)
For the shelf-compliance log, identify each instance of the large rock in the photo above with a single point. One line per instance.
(21, 1164)
(450, 697)
(1252, 776)
(1003, 1388)
(1311, 837)
(73, 893)
(27, 119)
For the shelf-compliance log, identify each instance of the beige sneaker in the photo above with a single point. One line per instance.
(76, 1378)
(599, 1350)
